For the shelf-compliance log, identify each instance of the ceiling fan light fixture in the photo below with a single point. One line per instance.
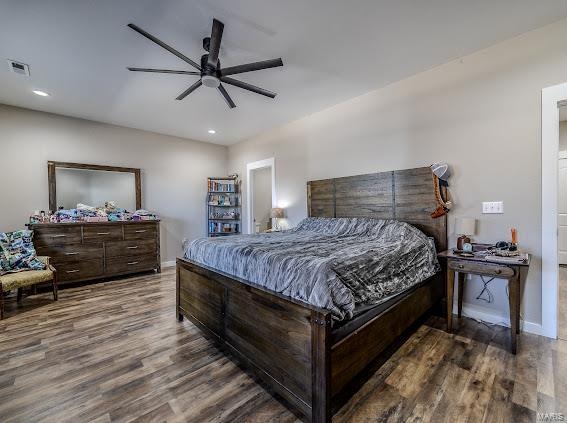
(210, 81)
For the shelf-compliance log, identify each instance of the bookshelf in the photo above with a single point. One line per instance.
(224, 206)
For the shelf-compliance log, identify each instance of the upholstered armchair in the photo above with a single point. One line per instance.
(26, 278)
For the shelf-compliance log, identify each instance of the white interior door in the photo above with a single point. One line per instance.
(562, 211)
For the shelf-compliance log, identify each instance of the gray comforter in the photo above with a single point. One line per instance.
(335, 264)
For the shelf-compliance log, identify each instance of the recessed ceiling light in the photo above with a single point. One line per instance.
(212, 131)
(41, 93)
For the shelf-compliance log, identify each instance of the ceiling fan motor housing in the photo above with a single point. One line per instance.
(207, 43)
(209, 75)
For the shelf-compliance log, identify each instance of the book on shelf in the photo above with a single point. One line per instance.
(222, 200)
(223, 185)
(222, 227)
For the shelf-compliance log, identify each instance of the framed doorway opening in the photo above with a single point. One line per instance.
(250, 168)
(551, 99)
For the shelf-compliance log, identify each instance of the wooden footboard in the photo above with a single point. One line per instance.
(287, 343)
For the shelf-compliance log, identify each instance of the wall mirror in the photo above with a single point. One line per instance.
(74, 183)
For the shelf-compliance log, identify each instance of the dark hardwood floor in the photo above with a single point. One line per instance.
(115, 351)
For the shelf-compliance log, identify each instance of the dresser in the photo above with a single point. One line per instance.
(86, 251)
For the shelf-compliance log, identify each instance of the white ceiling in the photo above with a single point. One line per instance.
(333, 50)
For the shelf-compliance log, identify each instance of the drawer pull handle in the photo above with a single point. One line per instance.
(460, 266)
(58, 236)
(132, 248)
(103, 233)
(141, 231)
(498, 271)
(133, 263)
(71, 254)
(72, 271)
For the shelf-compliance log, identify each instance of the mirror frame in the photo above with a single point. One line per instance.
(52, 182)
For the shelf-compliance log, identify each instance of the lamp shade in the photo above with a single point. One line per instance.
(466, 226)
(277, 213)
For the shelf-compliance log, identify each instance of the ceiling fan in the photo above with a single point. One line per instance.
(210, 71)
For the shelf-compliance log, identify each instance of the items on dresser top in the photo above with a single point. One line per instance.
(85, 213)
(88, 250)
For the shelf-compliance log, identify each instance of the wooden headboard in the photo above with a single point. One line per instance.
(407, 195)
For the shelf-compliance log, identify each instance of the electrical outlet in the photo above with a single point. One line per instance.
(491, 207)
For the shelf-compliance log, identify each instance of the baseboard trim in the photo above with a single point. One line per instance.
(477, 314)
(168, 263)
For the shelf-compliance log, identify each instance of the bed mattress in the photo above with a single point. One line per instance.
(337, 264)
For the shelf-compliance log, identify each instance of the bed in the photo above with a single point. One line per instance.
(309, 347)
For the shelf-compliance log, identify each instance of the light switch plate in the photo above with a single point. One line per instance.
(492, 207)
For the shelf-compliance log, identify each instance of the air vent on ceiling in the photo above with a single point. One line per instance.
(18, 67)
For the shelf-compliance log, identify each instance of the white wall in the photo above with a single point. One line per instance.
(481, 114)
(174, 170)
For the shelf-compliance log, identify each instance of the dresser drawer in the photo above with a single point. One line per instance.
(486, 269)
(130, 264)
(136, 247)
(56, 235)
(77, 252)
(140, 231)
(100, 233)
(68, 272)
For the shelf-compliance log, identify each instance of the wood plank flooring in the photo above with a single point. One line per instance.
(115, 351)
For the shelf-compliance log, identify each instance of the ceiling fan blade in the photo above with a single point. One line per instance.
(181, 72)
(189, 90)
(214, 46)
(249, 67)
(164, 45)
(247, 86)
(226, 97)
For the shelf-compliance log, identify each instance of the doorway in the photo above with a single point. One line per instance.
(552, 100)
(261, 194)
(261, 199)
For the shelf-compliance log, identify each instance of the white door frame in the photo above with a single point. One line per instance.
(551, 98)
(260, 164)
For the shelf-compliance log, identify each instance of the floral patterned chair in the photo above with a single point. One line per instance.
(26, 278)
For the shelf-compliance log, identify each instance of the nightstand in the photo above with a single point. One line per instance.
(479, 265)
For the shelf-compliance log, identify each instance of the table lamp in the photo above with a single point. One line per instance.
(277, 213)
(465, 228)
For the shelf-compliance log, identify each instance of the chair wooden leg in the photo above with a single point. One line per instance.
(1, 303)
(20, 294)
(55, 285)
